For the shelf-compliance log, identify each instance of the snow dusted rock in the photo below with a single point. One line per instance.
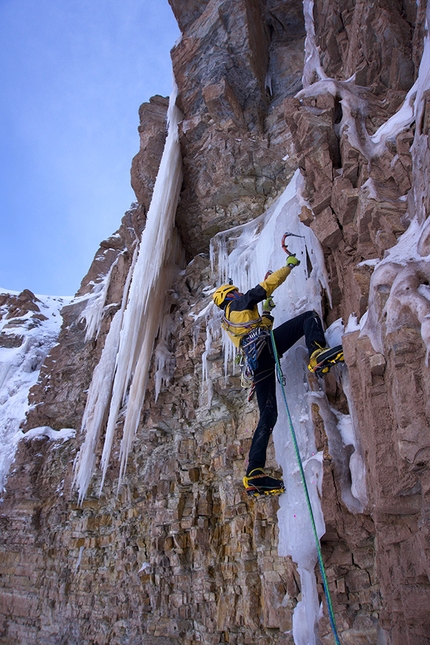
(172, 552)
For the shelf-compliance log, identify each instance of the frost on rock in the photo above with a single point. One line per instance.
(399, 294)
(125, 362)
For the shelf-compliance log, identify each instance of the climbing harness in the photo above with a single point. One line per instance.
(251, 347)
(306, 491)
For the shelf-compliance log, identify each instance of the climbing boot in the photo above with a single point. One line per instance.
(315, 360)
(322, 359)
(258, 483)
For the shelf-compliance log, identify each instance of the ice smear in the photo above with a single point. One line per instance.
(128, 354)
(356, 100)
(145, 567)
(344, 447)
(414, 103)
(164, 363)
(304, 623)
(20, 368)
(213, 330)
(78, 562)
(397, 293)
(312, 65)
(245, 254)
(342, 431)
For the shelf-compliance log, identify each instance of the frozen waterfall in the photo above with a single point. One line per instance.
(120, 379)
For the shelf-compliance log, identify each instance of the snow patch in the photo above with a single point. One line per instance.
(54, 435)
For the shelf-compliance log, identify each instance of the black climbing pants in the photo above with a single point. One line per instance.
(286, 335)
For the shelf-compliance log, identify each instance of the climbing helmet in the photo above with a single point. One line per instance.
(220, 294)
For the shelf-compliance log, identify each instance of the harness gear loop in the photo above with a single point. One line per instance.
(251, 347)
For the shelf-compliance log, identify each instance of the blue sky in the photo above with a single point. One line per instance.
(73, 74)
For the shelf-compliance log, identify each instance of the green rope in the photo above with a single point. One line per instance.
(305, 487)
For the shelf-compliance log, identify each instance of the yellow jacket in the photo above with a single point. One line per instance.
(241, 314)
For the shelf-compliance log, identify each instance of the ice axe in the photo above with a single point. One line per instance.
(284, 237)
(284, 246)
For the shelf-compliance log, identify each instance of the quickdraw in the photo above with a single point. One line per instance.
(252, 346)
(250, 349)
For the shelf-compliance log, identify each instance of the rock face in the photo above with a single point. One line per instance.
(178, 555)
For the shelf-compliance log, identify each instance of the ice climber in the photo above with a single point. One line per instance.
(250, 333)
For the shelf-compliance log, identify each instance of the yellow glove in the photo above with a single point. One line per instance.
(268, 305)
(292, 261)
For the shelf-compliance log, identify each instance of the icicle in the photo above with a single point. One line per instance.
(95, 410)
(122, 373)
(93, 312)
(146, 298)
(98, 399)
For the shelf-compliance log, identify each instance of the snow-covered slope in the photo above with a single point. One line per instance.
(29, 327)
